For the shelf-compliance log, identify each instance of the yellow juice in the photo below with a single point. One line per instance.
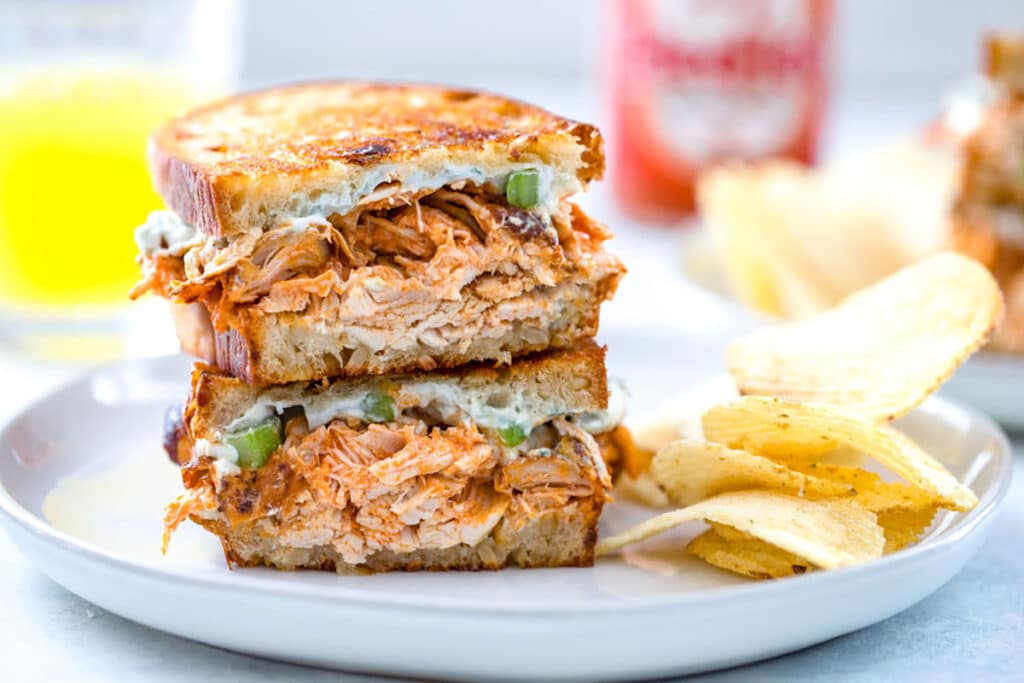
(74, 182)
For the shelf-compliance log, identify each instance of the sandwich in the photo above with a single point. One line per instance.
(988, 217)
(393, 298)
(349, 229)
(478, 467)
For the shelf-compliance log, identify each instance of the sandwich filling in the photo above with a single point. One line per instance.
(389, 471)
(448, 266)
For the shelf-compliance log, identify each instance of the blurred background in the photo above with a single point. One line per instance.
(677, 86)
(890, 61)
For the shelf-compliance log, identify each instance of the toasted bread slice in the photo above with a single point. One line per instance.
(323, 148)
(476, 468)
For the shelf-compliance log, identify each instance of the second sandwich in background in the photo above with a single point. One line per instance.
(334, 250)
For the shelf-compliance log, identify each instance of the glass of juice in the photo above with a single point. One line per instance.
(81, 86)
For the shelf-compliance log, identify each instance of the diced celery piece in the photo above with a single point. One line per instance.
(378, 407)
(512, 435)
(255, 444)
(523, 189)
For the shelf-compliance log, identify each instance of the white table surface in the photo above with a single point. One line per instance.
(972, 629)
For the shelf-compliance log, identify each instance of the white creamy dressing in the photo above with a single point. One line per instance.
(164, 232)
(306, 222)
(398, 180)
(319, 408)
(225, 457)
(497, 409)
(494, 410)
(601, 421)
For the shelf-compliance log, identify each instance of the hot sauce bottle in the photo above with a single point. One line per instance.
(696, 82)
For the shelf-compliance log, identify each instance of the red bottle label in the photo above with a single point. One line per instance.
(694, 82)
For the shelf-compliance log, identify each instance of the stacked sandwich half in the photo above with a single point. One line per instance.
(395, 301)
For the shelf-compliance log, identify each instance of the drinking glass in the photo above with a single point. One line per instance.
(82, 84)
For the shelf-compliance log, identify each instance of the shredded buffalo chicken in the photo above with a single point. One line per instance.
(358, 264)
(394, 487)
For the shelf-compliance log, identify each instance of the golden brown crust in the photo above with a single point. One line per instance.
(226, 166)
(975, 234)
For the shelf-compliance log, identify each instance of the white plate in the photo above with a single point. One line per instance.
(82, 482)
(991, 382)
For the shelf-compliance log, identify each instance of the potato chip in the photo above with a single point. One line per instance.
(793, 241)
(642, 489)
(793, 431)
(690, 471)
(829, 534)
(749, 254)
(754, 424)
(904, 512)
(748, 210)
(743, 554)
(904, 527)
(884, 349)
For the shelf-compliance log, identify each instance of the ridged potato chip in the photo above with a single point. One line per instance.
(904, 512)
(795, 431)
(882, 350)
(753, 259)
(829, 534)
(642, 489)
(690, 471)
(903, 527)
(883, 208)
(734, 551)
(756, 424)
